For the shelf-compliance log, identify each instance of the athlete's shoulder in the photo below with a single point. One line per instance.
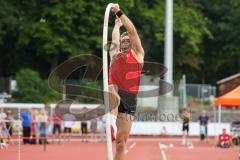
(138, 56)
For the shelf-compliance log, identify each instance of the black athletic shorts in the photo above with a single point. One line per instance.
(202, 137)
(84, 127)
(185, 127)
(67, 130)
(56, 128)
(128, 102)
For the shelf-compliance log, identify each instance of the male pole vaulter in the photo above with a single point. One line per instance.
(124, 78)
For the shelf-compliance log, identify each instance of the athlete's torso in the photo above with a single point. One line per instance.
(125, 72)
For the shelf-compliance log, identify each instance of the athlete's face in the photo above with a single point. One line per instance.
(125, 43)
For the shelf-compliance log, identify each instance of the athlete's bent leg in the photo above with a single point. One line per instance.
(114, 99)
(124, 124)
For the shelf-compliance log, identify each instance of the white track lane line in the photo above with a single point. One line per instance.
(131, 147)
(162, 151)
(191, 146)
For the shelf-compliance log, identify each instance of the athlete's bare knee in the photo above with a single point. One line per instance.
(120, 144)
(114, 99)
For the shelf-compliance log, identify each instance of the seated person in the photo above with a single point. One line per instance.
(235, 139)
(224, 140)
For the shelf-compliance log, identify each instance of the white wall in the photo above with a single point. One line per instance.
(175, 128)
(150, 101)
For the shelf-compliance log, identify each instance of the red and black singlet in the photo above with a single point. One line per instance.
(125, 72)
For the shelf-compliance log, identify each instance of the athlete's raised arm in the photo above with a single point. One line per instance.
(115, 38)
(132, 32)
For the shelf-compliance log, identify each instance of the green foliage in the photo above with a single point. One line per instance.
(31, 88)
(8, 34)
(8, 20)
(221, 53)
(189, 26)
(61, 27)
(48, 32)
(40, 34)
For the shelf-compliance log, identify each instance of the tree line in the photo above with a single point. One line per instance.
(42, 34)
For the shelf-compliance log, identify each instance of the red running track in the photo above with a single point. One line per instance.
(136, 150)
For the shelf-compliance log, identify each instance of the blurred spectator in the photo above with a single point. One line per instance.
(2, 124)
(26, 124)
(3, 117)
(103, 128)
(203, 121)
(94, 127)
(224, 140)
(185, 127)
(2, 114)
(9, 122)
(34, 127)
(104, 125)
(163, 131)
(235, 139)
(84, 125)
(202, 133)
(68, 122)
(43, 120)
(57, 121)
(235, 132)
(84, 131)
